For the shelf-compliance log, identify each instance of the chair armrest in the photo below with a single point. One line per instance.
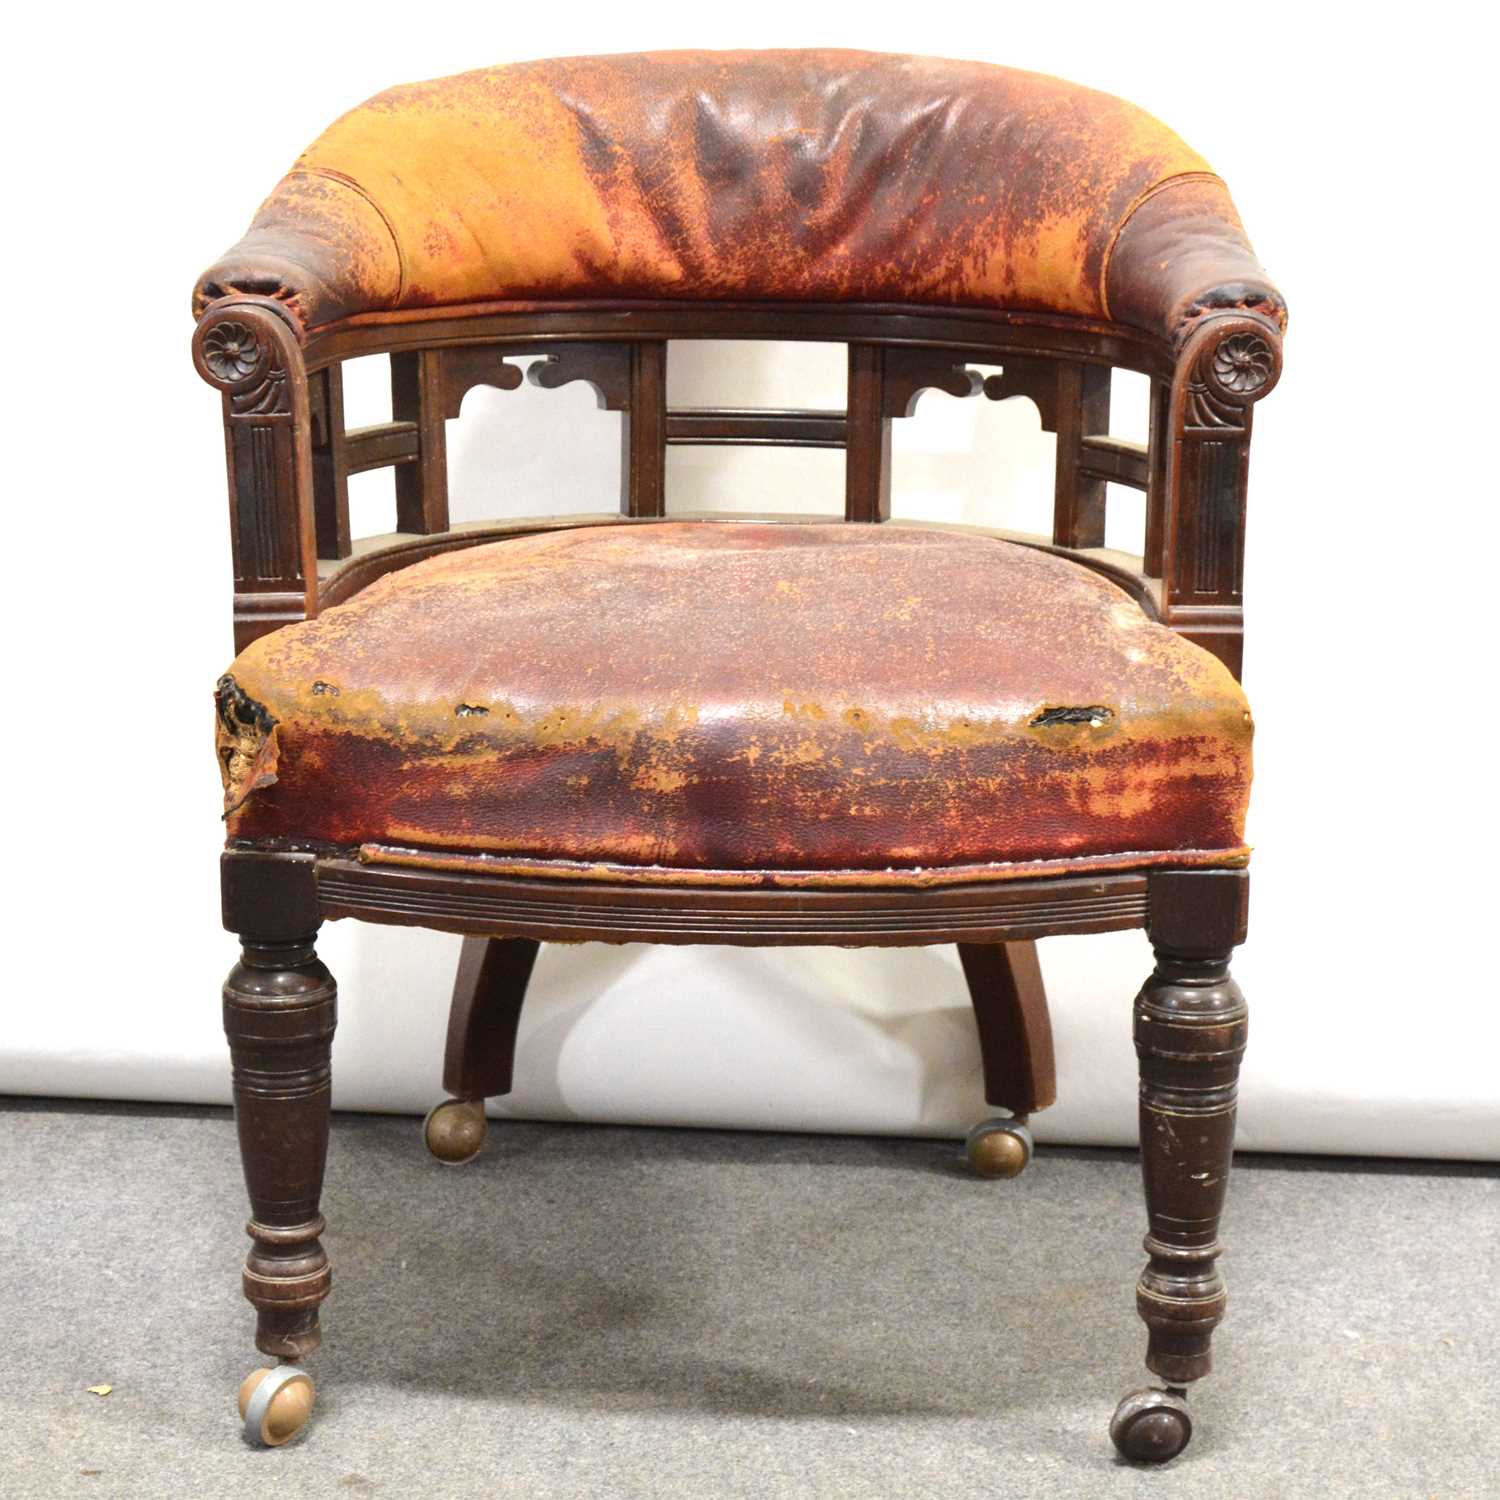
(1182, 256)
(1227, 361)
(809, 177)
(248, 349)
(1181, 267)
(318, 246)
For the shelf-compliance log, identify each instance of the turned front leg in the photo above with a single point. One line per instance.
(279, 1015)
(1190, 1029)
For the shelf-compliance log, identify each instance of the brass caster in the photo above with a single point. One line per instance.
(1149, 1427)
(454, 1130)
(999, 1148)
(275, 1404)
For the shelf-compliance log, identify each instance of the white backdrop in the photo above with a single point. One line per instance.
(141, 144)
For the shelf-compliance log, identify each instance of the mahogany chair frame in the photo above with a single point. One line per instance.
(289, 460)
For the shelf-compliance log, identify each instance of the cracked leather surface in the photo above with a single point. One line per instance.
(801, 176)
(722, 701)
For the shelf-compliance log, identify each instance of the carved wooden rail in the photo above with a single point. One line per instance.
(757, 427)
(290, 455)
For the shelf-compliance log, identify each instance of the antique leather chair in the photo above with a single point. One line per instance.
(649, 727)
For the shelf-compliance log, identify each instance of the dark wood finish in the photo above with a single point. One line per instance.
(606, 367)
(330, 462)
(289, 462)
(1226, 366)
(977, 335)
(1015, 1030)
(417, 396)
(867, 468)
(885, 382)
(643, 435)
(638, 911)
(280, 1009)
(1194, 470)
(1114, 460)
(250, 354)
(762, 427)
(1190, 1030)
(1035, 379)
(908, 371)
(379, 447)
(1159, 449)
(1082, 413)
(456, 372)
(487, 996)
(630, 378)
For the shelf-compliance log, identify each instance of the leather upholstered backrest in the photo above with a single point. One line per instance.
(807, 176)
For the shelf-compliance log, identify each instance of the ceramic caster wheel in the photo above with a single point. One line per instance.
(275, 1404)
(454, 1130)
(1149, 1427)
(999, 1148)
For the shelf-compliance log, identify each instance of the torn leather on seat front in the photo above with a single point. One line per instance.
(731, 703)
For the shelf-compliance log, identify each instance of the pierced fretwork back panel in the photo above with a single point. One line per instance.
(884, 383)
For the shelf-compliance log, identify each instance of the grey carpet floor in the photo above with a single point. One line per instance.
(589, 1312)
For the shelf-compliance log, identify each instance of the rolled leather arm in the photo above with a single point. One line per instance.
(323, 250)
(1181, 256)
(318, 246)
(763, 177)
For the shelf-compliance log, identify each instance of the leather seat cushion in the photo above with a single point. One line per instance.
(733, 701)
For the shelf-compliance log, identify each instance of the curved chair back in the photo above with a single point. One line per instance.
(929, 214)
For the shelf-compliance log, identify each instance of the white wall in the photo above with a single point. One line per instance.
(141, 142)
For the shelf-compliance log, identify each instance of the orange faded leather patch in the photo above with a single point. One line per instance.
(818, 175)
(699, 700)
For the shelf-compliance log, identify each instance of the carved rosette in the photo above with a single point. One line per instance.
(1233, 362)
(1242, 363)
(236, 354)
(232, 352)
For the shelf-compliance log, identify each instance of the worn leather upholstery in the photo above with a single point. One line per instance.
(823, 176)
(741, 702)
